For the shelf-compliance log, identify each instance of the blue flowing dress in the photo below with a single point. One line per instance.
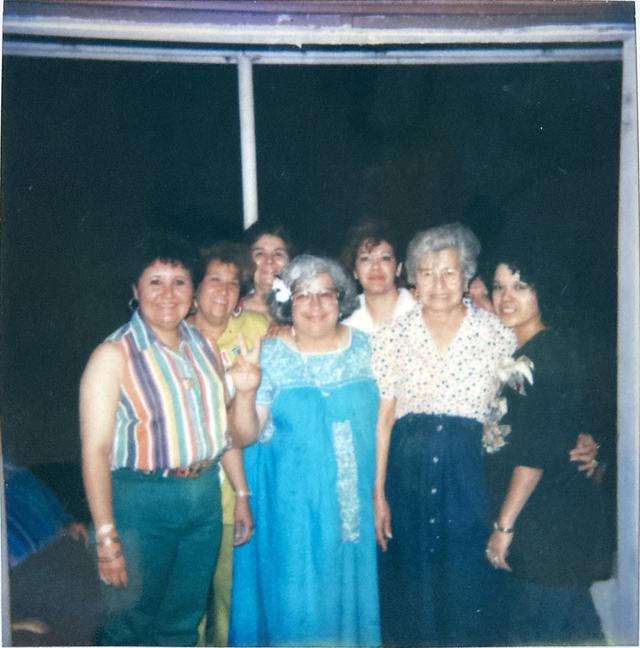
(308, 576)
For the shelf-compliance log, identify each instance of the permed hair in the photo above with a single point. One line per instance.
(230, 253)
(262, 227)
(167, 247)
(435, 239)
(304, 269)
(371, 232)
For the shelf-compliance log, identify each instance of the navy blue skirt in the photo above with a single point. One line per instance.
(436, 587)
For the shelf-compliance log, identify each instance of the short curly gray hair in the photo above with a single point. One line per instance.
(435, 239)
(304, 269)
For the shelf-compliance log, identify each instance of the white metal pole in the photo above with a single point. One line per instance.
(626, 608)
(247, 141)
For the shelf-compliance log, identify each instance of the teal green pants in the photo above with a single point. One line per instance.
(170, 533)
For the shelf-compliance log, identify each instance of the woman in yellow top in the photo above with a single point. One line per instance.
(227, 270)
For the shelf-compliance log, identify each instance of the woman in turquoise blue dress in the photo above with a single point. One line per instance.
(308, 577)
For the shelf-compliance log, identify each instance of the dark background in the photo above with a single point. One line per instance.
(95, 152)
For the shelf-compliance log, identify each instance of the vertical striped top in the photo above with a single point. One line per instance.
(171, 411)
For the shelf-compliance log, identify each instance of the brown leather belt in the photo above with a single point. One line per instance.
(188, 472)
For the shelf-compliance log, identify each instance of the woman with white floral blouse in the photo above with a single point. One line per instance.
(435, 368)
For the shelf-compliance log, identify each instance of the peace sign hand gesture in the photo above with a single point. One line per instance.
(246, 373)
(244, 424)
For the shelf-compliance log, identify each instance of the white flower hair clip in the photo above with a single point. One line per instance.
(281, 291)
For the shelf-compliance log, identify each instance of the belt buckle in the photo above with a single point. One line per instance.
(192, 471)
(200, 467)
(187, 472)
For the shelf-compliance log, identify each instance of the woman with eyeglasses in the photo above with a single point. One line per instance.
(308, 576)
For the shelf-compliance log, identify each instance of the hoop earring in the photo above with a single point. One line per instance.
(133, 304)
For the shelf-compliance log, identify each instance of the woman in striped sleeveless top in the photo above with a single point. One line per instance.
(154, 430)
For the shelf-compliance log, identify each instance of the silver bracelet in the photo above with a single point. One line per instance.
(497, 527)
(104, 529)
(243, 493)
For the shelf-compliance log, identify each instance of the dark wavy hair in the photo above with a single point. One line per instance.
(167, 247)
(270, 228)
(542, 271)
(230, 253)
(371, 232)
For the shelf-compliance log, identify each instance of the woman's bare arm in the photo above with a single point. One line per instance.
(386, 419)
(99, 393)
(233, 464)
(523, 482)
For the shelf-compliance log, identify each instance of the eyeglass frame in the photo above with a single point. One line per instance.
(308, 295)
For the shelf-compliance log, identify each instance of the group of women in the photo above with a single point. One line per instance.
(414, 420)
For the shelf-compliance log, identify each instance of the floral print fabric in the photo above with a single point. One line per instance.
(458, 381)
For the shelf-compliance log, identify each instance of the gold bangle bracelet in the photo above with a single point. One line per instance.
(108, 541)
(108, 560)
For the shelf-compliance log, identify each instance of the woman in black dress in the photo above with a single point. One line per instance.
(548, 532)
